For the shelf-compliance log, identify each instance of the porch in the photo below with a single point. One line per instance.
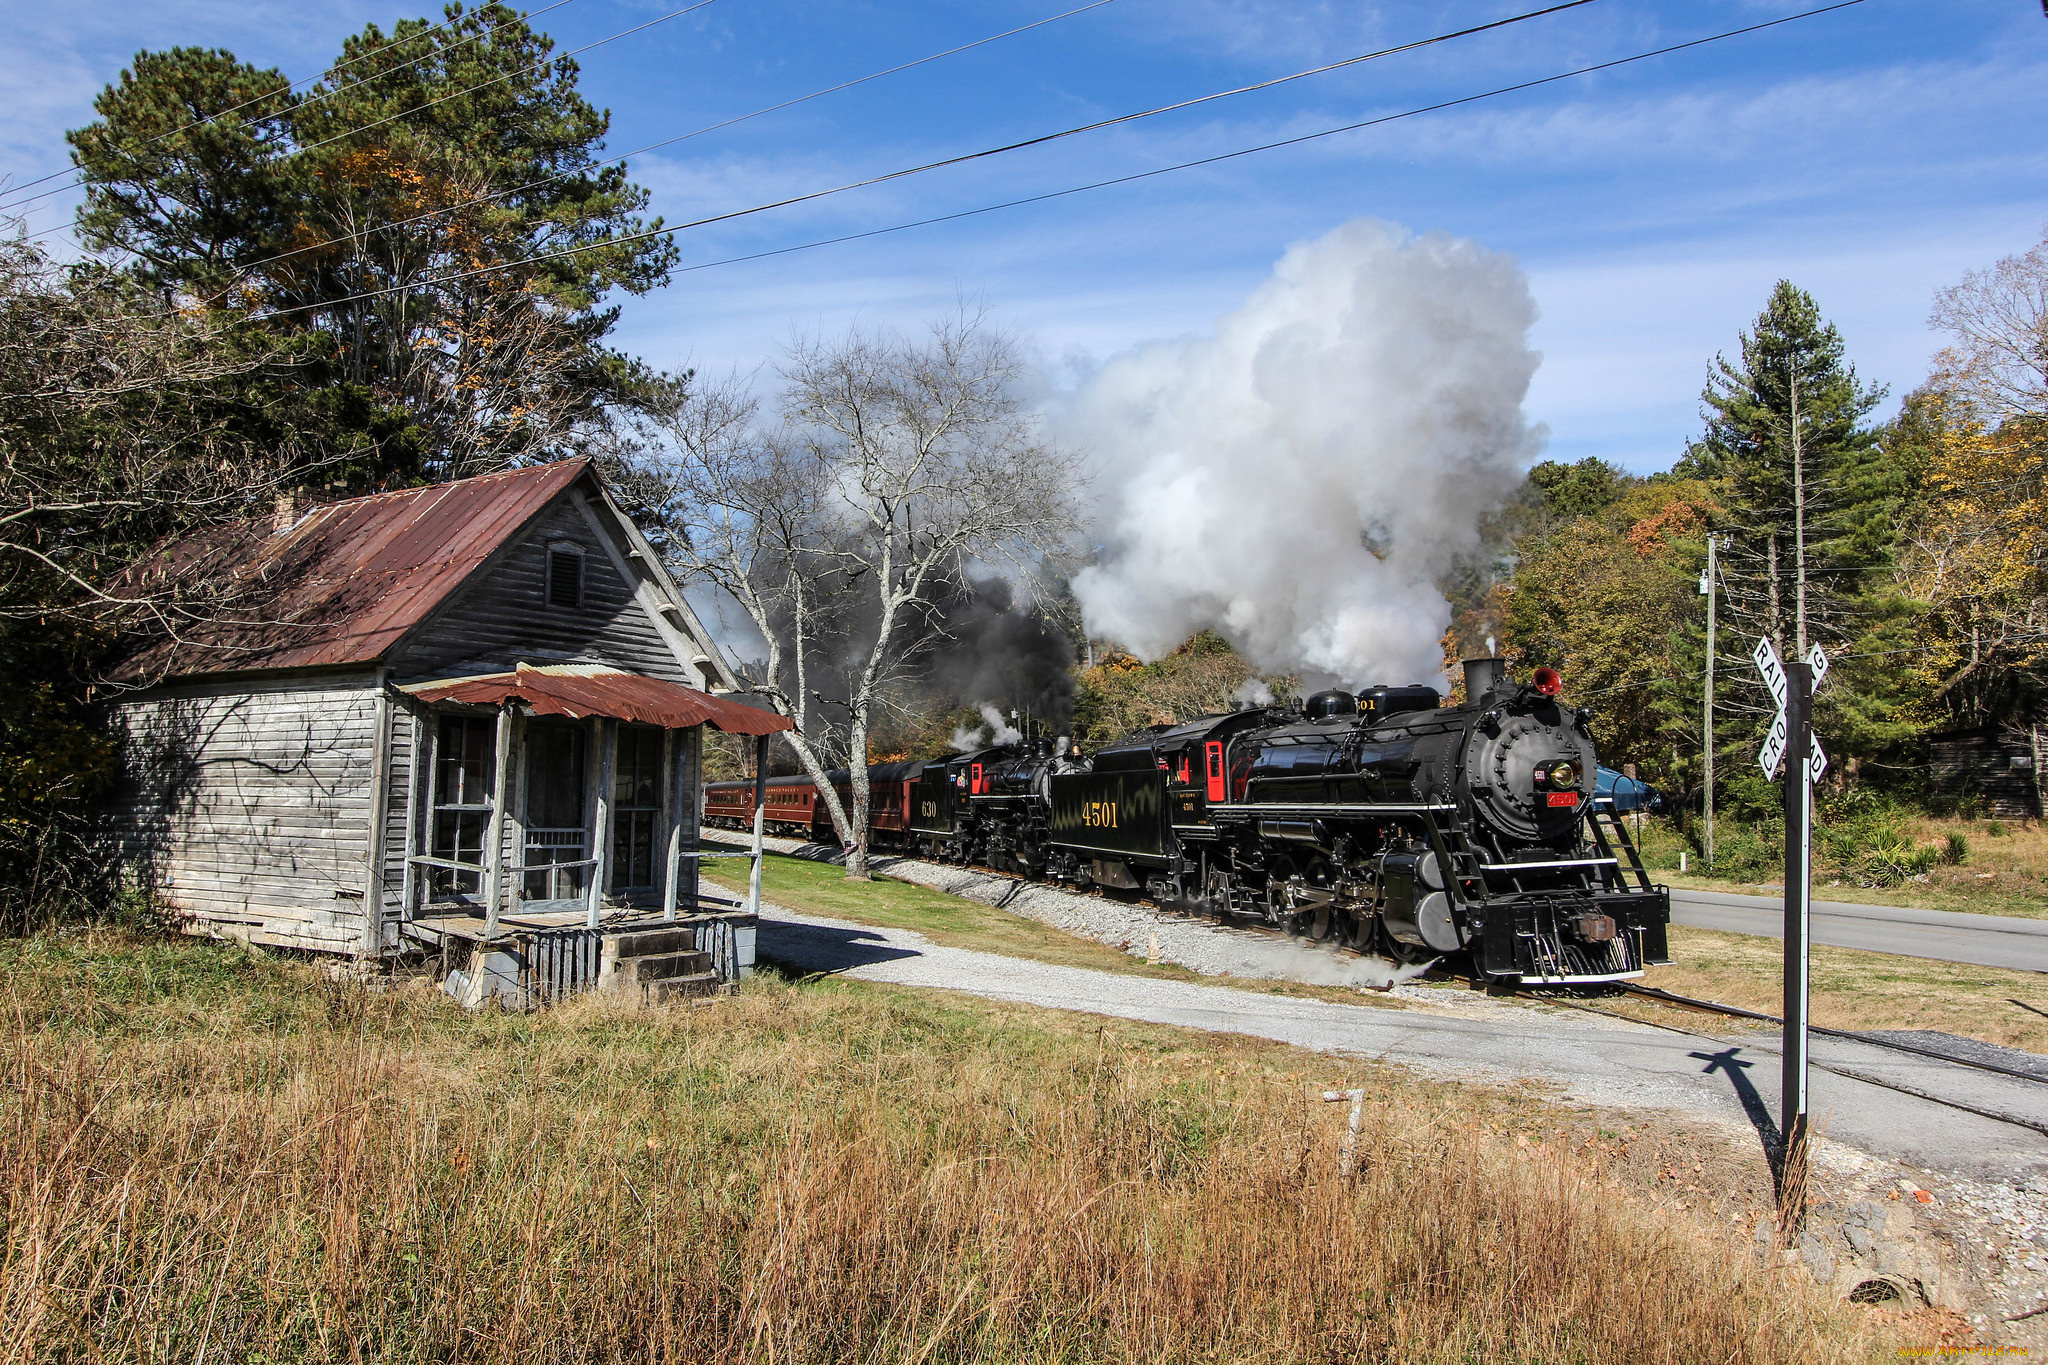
(553, 846)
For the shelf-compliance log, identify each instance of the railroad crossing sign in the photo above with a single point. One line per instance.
(1792, 728)
(1773, 751)
(1766, 657)
(1816, 761)
(1774, 745)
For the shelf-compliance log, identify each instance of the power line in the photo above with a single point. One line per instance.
(1058, 194)
(682, 137)
(287, 89)
(1243, 151)
(1699, 674)
(541, 65)
(1043, 139)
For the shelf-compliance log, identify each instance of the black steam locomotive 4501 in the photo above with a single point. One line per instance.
(1380, 819)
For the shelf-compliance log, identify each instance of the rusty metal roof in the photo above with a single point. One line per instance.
(583, 690)
(345, 583)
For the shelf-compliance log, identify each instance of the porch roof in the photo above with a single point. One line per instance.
(584, 690)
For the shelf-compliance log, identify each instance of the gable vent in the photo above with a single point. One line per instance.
(565, 578)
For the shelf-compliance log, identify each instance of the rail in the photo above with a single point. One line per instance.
(2017, 1121)
(421, 860)
(1715, 1007)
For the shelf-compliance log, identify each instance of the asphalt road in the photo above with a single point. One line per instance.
(1984, 940)
(1470, 1037)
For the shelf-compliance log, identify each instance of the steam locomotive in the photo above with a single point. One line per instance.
(1382, 820)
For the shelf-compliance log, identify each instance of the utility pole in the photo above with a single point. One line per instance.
(1792, 1108)
(1776, 629)
(1709, 585)
(1798, 520)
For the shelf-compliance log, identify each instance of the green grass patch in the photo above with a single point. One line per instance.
(956, 922)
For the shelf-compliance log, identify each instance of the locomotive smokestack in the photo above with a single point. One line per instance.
(1483, 676)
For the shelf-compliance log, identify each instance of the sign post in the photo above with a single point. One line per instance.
(1791, 735)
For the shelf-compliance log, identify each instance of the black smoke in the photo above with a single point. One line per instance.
(985, 646)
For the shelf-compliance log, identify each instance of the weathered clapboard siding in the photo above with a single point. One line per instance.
(503, 617)
(1993, 767)
(246, 804)
(403, 736)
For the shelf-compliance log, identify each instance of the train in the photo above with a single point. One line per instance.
(1382, 820)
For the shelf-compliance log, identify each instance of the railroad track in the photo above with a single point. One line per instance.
(1554, 996)
(1888, 1044)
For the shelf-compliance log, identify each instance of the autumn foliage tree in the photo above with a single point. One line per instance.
(1604, 593)
(1121, 693)
(1978, 548)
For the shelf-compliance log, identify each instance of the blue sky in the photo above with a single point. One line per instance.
(1871, 155)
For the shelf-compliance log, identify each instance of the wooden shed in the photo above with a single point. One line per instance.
(1994, 767)
(465, 718)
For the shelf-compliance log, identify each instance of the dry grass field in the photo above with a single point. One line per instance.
(210, 1156)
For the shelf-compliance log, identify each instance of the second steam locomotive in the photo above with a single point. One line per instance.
(1381, 819)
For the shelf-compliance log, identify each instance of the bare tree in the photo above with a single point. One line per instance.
(121, 422)
(113, 432)
(898, 462)
(1999, 318)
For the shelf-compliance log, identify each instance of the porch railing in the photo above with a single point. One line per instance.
(491, 869)
(540, 967)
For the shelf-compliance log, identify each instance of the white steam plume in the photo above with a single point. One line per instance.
(1300, 481)
(993, 726)
(1253, 692)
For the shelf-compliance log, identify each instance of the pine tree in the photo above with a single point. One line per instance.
(433, 217)
(1813, 493)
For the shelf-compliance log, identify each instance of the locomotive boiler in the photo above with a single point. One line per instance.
(1382, 820)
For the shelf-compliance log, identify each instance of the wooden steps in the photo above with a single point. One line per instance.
(660, 966)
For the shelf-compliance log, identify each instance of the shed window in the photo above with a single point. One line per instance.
(565, 576)
(465, 760)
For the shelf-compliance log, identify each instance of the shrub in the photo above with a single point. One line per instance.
(1749, 852)
(1890, 863)
(1955, 850)
(1861, 837)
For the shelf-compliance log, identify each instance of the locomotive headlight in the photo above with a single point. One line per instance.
(1564, 774)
